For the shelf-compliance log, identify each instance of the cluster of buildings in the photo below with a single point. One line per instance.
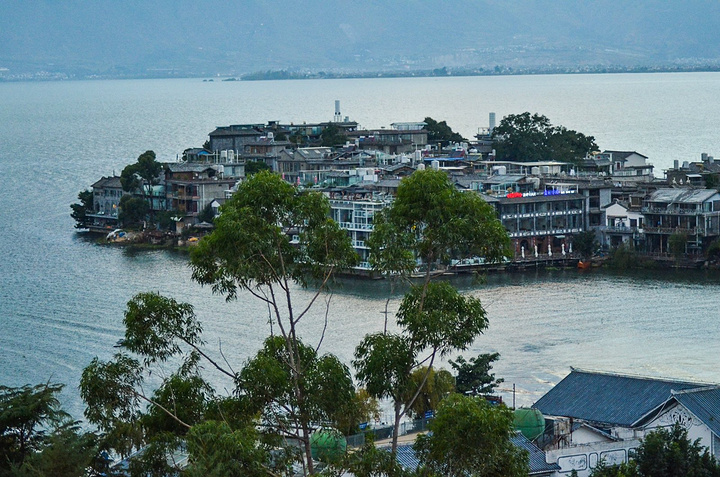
(541, 204)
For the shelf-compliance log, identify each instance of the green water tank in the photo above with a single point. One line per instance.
(529, 421)
(327, 444)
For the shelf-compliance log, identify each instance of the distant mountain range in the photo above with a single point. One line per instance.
(139, 38)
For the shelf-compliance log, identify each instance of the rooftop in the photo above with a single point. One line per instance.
(609, 398)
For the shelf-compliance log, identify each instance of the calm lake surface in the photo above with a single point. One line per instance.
(62, 297)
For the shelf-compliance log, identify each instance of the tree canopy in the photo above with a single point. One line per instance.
(585, 243)
(80, 210)
(474, 377)
(38, 438)
(470, 437)
(665, 452)
(332, 136)
(530, 138)
(429, 223)
(141, 175)
(440, 132)
(253, 167)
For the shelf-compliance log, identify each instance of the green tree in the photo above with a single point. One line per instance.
(429, 223)
(440, 132)
(474, 377)
(253, 167)
(268, 383)
(80, 210)
(287, 387)
(666, 452)
(141, 176)
(437, 385)
(37, 437)
(332, 136)
(67, 451)
(251, 250)
(713, 251)
(628, 469)
(207, 214)
(133, 210)
(530, 138)
(470, 437)
(677, 244)
(670, 453)
(585, 243)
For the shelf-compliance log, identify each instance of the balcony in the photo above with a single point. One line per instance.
(673, 230)
(677, 211)
(354, 226)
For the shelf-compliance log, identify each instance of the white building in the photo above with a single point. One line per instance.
(602, 416)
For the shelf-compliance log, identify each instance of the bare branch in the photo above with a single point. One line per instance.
(325, 325)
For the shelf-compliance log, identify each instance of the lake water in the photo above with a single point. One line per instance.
(62, 297)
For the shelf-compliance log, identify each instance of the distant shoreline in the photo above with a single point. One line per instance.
(445, 72)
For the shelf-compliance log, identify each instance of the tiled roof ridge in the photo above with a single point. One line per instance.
(698, 389)
(644, 377)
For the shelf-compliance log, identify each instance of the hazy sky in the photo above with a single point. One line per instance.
(220, 37)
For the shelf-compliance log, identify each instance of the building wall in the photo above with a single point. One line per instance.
(585, 457)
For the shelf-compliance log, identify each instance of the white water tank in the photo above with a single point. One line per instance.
(231, 156)
(421, 167)
(435, 165)
(500, 170)
(224, 154)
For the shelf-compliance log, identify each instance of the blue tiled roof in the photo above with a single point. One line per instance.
(537, 456)
(607, 398)
(408, 459)
(704, 403)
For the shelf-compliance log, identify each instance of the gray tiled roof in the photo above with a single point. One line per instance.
(109, 182)
(408, 459)
(607, 398)
(536, 455)
(682, 196)
(704, 403)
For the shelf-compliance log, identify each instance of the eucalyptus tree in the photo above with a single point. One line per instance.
(429, 223)
(268, 239)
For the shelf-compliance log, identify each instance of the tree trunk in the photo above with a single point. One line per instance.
(396, 427)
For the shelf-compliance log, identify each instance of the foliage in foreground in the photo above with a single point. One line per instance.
(665, 453)
(471, 437)
(38, 438)
(428, 224)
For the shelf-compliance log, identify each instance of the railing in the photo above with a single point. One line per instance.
(620, 229)
(532, 233)
(381, 433)
(354, 226)
(542, 214)
(673, 230)
(677, 211)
